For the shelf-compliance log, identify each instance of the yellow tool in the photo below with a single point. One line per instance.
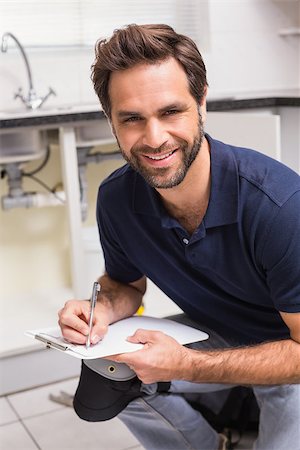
(141, 310)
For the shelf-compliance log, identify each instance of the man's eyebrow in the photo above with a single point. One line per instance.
(122, 114)
(178, 105)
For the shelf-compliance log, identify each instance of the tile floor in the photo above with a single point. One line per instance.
(30, 421)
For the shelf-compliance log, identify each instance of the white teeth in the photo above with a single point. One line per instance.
(157, 158)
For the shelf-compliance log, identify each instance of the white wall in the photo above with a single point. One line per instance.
(245, 53)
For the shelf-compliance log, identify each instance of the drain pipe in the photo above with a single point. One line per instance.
(17, 198)
(33, 199)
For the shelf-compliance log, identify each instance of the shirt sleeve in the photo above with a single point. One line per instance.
(281, 256)
(117, 264)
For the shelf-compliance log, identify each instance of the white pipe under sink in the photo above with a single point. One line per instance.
(35, 199)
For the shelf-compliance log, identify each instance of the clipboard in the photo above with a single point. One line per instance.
(52, 338)
(114, 341)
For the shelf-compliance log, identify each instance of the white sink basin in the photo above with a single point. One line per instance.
(17, 147)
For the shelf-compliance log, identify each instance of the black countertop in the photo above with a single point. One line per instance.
(49, 119)
(42, 118)
(231, 104)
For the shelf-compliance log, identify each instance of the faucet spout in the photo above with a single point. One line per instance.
(31, 101)
(4, 49)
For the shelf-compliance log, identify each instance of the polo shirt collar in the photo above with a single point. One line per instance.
(224, 195)
(223, 203)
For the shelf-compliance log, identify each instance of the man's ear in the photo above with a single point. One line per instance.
(202, 106)
(112, 129)
(114, 133)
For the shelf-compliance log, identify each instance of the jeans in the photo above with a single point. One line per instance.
(166, 421)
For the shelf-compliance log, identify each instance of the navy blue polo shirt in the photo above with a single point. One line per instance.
(239, 268)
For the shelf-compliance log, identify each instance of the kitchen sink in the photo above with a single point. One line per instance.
(21, 146)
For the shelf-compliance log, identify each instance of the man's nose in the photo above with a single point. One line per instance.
(155, 134)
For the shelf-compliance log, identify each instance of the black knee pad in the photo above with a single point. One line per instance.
(105, 388)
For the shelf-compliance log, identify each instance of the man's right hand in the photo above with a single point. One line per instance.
(117, 301)
(74, 318)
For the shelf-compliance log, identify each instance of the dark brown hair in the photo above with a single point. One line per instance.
(136, 44)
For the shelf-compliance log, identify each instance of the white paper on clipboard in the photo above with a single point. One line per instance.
(115, 341)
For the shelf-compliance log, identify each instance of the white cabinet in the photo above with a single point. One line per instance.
(257, 131)
(273, 130)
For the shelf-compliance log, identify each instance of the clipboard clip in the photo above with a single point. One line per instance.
(50, 344)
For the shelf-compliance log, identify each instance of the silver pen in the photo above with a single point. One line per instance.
(93, 301)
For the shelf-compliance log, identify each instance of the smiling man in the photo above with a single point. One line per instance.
(216, 227)
(159, 128)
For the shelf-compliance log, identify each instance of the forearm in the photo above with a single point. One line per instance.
(269, 363)
(122, 300)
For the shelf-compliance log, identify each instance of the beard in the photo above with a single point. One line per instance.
(158, 177)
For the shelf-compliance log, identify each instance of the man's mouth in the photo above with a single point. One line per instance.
(160, 157)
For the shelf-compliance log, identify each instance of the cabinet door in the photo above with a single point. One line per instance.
(259, 131)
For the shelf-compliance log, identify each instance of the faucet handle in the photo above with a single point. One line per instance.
(19, 94)
(33, 101)
(43, 99)
(51, 91)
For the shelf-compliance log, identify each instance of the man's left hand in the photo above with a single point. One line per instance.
(161, 359)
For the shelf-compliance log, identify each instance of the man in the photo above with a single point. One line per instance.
(216, 227)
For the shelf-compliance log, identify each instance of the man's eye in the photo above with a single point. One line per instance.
(171, 112)
(132, 119)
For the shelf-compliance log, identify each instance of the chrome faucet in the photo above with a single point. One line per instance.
(31, 101)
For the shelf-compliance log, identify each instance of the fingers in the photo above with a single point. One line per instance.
(98, 332)
(73, 336)
(74, 318)
(100, 324)
(139, 337)
(155, 360)
(73, 321)
(74, 315)
(145, 336)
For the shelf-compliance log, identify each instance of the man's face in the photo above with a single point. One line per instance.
(156, 121)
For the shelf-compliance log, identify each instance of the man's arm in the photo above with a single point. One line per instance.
(163, 359)
(122, 300)
(115, 301)
(269, 363)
